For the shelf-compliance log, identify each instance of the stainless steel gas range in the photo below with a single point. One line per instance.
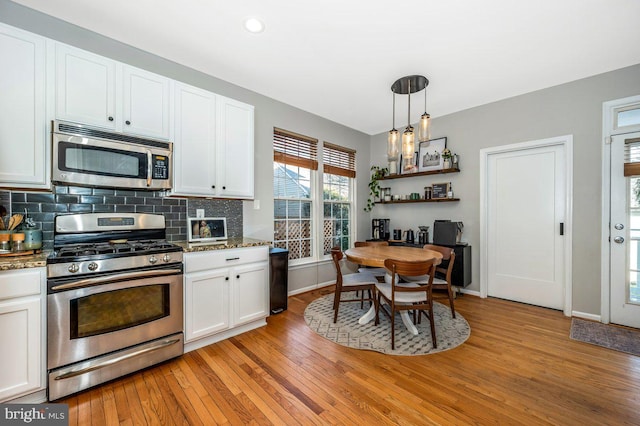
(114, 299)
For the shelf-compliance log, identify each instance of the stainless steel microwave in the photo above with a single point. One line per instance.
(88, 156)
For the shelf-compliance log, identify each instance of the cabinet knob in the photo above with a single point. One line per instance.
(127, 122)
(224, 187)
(213, 187)
(226, 278)
(238, 276)
(110, 118)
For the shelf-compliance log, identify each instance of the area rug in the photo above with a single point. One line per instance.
(608, 336)
(450, 332)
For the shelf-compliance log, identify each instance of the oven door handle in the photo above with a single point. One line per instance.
(149, 167)
(117, 277)
(102, 364)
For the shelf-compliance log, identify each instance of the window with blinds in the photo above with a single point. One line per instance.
(632, 157)
(294, 149)
(339, 160)
(339, 171)
(295, 161)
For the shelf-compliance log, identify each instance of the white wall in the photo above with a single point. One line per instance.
(573, 108)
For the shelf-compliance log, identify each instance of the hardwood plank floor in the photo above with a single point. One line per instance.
(518, 367)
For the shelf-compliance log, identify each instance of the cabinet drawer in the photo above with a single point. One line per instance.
(20, 283)
(224, 258)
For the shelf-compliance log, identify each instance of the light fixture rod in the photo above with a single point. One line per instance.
(393, 125)
(409, 106)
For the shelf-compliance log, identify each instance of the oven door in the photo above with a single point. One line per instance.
(114, 164)
(94, 320)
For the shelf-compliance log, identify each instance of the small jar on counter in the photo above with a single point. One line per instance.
(4, 241)
(18, 242)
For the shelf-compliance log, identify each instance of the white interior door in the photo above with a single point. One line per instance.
(625, 233)
(525, 196)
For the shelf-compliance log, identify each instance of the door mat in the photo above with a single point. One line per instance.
(608, 336)
(450, 332)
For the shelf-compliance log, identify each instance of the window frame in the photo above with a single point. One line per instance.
(316, 195)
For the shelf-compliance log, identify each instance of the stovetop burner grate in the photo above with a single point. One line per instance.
(92, 249)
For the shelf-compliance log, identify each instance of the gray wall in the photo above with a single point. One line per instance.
(268, 114)
(573, 108)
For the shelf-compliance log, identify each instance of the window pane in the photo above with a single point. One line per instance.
(629, 118)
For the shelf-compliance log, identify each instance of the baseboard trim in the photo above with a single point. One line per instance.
(584, 315)
(311, 287)
(205, 341)
(470, 292)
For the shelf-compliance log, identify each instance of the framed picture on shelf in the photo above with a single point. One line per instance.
(430, 154)
(439, 191)
(407, 169)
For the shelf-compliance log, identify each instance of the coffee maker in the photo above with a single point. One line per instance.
(423, 235)
(380, 229)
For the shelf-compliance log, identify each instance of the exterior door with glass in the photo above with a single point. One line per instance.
(625, 230)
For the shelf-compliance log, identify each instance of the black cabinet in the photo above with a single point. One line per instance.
(278, 279)
(461, 273)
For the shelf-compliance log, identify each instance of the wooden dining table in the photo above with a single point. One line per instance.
(375, 256)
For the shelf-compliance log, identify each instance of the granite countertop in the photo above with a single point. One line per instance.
(40, 260)
(23, 262)
(231, 243)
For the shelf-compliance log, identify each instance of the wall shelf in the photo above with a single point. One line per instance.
(437, 200)
(430, 172)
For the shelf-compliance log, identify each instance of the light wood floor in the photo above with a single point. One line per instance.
(518, 367)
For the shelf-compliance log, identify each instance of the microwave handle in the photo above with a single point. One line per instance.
(149, 167)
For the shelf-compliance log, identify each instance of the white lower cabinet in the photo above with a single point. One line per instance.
(22, 329)
(226, 293)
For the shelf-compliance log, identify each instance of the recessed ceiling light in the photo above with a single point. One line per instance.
(253, 25)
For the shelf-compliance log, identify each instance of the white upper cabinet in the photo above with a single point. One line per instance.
(94, 90)
(194, 147)
(85, 87)
(23, 123)
(146, 103)
(235, 148)
(213, 149)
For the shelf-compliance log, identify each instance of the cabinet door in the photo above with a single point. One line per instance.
(250, 292)
(20, 336)
(23, 127)
(85, 87)
(146, 103)
(206, 303)
(194, 143)
(235, 149)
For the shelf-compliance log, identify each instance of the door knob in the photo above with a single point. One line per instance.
(619, 226)
(618, 240)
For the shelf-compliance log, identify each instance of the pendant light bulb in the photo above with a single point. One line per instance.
(424, 128)
(408, 138)
(393, 150)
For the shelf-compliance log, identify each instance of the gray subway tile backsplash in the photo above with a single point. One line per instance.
(43, 207)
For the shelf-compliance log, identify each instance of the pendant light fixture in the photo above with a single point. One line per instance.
(392, 143)
(406, 86)
(424, 128)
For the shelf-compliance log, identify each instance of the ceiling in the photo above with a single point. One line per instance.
(338, 59)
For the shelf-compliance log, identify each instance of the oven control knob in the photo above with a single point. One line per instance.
(166, 258)
(93, 266)
(73, 268)
(153, 259)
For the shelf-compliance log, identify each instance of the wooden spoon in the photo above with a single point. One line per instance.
(1, 224)
(14, 221)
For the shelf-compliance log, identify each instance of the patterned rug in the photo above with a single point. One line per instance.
(347, 332)
(608, 336)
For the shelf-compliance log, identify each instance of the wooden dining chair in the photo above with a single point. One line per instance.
(359, 281)
(406, 296)
(449, 256)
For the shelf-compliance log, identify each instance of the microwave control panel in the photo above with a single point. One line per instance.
(160, 167)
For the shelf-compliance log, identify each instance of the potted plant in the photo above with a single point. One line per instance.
(446, 156)
(377, 173)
